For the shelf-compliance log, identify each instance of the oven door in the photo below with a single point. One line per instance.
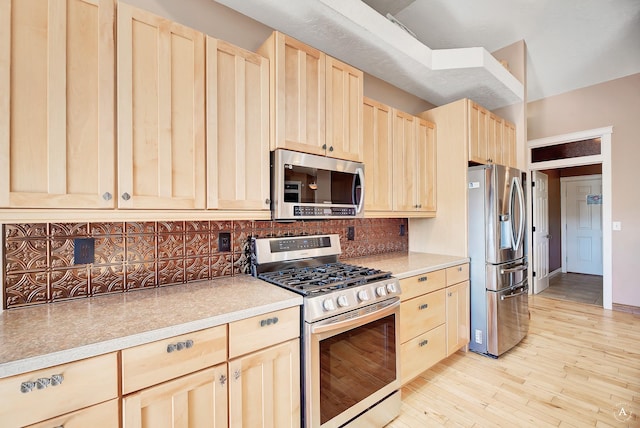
(351, 363)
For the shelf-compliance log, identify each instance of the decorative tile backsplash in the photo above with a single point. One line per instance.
(39, 258)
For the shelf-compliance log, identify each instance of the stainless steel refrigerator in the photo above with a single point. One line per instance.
(498, 270)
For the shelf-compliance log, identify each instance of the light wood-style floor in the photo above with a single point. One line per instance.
(576, 287)
(579, 366)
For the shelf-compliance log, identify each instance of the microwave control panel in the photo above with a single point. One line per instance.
(300, 211)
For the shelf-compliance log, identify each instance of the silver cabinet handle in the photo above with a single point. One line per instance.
(267, 201)
(180, 346)
(41, 383)
(450, 294)
(126, 196)
(331, 148)
(423, 306)
(107, 196)
(423, 342)
(268, 321)
(223, 379)
(236, 374)
(422, 278)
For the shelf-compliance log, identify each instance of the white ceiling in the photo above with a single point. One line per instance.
(570, 43)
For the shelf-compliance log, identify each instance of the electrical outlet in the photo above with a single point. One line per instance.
(84, 251)
(402, 232)
(351, 233)
(479, 337)
(224, 242)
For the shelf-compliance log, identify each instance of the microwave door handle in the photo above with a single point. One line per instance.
(360, 173)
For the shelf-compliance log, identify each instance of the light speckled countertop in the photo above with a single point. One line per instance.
(41, 336)
(403, 265)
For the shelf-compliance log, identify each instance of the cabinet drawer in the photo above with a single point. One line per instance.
(456, 274)
(421, 314)
(78, 384)
(422, 352)
(105, 415)
(156, 362)
(262, 331)
(421, 284)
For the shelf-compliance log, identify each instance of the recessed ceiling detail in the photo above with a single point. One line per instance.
(353, 32)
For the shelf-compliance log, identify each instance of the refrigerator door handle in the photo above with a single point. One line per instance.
(518, 190)
(511, 296)
(514, 269)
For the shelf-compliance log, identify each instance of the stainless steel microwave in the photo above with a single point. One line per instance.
(305, 186)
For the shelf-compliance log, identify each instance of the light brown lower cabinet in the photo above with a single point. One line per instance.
(195, 400)
(434, 318)
(264, 387)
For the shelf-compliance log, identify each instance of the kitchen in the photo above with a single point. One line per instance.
(169, 251)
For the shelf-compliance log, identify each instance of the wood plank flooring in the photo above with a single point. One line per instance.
(576, 287)
(579, 366)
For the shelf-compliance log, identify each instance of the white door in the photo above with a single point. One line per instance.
(583, 208)
(541, 231)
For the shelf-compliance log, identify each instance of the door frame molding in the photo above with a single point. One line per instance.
(563, 213)
(603, 158)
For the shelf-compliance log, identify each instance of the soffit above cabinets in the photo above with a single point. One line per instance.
(353, 32)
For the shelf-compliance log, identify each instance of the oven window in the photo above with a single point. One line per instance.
(355, 364)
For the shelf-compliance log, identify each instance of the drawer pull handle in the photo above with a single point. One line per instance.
(41, 383)
(423, 306)
(179, 346)
(268, 321)
(459, 268)
(423, 342)
(422, 279)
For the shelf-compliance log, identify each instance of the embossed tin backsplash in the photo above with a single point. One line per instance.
(39, 258)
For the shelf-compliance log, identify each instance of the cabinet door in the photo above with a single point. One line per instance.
(297, 94)
(196, 400)
(344, 87)
(161, 130)
(478, 133)
(457, 302)
(237, 128)
(426, 169)
(404, 161)
(57, 130)
(494, 142)
(264, 387)
(378, 155)
(509, 144)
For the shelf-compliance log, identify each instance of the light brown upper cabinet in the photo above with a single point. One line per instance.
(492, 139)
(237, 128)
(316, 100)
(414, 165)
(57, 142)
(378, 156)
(161, 112)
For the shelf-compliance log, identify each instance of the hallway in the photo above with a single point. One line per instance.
(575, 287)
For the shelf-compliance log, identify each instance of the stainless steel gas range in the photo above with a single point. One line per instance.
(350, 319)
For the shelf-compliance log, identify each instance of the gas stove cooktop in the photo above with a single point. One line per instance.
(324, 278)
(308, 265)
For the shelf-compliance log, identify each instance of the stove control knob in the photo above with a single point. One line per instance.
(391, 288)
(328, 305)
(342, 301)
(381, 291)
(363, 295)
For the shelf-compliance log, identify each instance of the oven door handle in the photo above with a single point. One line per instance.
(356, 321)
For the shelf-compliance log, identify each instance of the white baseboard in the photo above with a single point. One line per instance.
(555, 272)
